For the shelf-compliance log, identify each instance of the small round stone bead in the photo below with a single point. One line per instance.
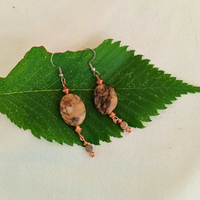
(124, 125)
(89, 148)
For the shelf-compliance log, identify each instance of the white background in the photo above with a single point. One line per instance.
(160, 162)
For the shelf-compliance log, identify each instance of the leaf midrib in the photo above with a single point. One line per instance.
(56, 90)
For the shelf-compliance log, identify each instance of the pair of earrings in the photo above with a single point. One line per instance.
(72, 108)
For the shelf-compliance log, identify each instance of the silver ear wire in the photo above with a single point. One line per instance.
(90, 64)
(59, 69)
(52, 60)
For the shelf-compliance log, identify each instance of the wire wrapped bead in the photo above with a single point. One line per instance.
(123, 125)
(89, 148)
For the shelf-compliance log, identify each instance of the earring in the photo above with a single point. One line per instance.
(72, 110)
(105, 98)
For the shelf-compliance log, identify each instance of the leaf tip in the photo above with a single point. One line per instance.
(35, 50)
(109, 41)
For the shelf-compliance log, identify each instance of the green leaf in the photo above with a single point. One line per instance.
(31, 93)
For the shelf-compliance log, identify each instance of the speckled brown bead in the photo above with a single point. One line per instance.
(105, 99)
(123, 125)
(72, 109)
(89, 148)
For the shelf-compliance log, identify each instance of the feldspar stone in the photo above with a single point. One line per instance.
(72, 109)
(89, 148)
(105, 99)
(124, 125)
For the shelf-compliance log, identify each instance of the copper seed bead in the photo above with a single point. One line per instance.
(119, 121)
(89, 148)
(92, 154)
(124, 125)
(85, 143)
(128, 129)
(99, 81)
(66, 90)
(112, 114)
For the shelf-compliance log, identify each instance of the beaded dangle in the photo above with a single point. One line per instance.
(72, 110)
(105, 98)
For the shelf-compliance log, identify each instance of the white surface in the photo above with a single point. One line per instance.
(160, 162)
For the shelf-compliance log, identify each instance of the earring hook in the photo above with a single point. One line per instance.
(52, 60)
(90, 64)
(59, 69)
(94, 54)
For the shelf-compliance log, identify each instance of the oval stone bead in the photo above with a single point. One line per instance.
(72, 109)
(105, 99)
